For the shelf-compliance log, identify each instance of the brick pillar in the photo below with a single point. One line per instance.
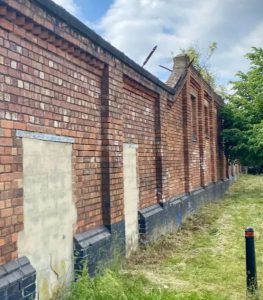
(212, 140)
(186, 135)
(201, 134)
(161, 149)
(11, 190)
(222, 159)
(112, 144)
(216, 141)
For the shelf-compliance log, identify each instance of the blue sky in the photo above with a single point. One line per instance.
(135, 26)
(91, 10)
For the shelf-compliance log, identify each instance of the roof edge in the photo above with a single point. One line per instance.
(74, 22)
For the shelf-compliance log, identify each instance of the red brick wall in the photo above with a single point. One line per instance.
(48, 92)
(175, 148)
(207, 141)
(55, 94)
(64, 84)
(195, 153)
(11, 190)
(139, 128)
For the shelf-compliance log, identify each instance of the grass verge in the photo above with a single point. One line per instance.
(204, 260)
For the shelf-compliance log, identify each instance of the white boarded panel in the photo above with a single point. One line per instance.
(131, 196)
(49, 213)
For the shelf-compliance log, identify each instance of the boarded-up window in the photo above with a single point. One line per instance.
(49, 213)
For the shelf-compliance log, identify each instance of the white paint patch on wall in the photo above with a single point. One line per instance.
(49, 213)
(131, 196)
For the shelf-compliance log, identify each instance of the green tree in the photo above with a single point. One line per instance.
(201, 61)
(243, 115)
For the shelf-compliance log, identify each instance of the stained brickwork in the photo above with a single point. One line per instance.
(58, 77)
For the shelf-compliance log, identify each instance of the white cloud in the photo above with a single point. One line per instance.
(69, 5)
(233, 58)
(135, 26)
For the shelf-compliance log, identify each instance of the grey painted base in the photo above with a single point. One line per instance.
(160, 219)
(17, 280)
(99, 247)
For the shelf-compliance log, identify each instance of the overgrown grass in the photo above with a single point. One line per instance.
(208, 254)
(121, 285)
(204, 260)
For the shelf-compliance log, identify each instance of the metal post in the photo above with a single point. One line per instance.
(251, 271)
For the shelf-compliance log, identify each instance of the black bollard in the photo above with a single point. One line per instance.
(251, 270)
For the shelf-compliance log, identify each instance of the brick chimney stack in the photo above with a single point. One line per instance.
(181, 62)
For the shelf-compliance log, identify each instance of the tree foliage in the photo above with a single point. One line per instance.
(243, 115)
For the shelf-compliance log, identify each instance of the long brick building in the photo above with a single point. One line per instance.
(96, 153)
